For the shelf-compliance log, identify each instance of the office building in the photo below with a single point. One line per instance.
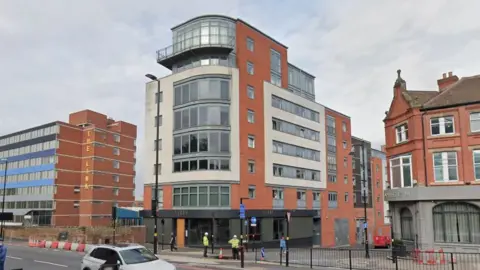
(69, 174)
(237, 120)
(433, 152)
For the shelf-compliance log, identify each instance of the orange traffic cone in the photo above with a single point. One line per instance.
(220, 255)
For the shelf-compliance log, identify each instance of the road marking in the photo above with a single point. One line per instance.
(15, 258)
(55, 264)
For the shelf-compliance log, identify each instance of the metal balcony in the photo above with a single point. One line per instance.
(316, 205)
(278, 204)
(301, 204)
(197, 45)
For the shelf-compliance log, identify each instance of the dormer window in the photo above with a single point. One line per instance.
(402, 133)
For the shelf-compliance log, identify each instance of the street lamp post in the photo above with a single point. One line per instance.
(5, 161)
(157, 125)
(364, 197)
(242, 252)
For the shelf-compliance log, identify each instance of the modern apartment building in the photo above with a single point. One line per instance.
(238, 121)
(433, 152)
(69, 174)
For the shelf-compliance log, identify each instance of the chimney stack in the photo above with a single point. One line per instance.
(446, 81)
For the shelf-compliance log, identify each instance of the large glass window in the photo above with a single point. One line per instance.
(296, 130)
(475, 122)
(201, 164)
(207, 141)
(401, 171)
(295, 151)
(442, 125)
(275, 68)
(202, 89)
(296, 109)
(201, 196)
(445, 166)
(456, 223)
(301, 83)
(294, 172)
(202, 115)
(406, 224)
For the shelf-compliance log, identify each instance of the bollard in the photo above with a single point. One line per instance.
(350, 259)
(281, 254)
(311, 258)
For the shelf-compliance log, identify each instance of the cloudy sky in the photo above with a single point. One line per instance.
(60, 56)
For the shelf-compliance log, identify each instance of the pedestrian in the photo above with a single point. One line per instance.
(205, 245)
(3, 254)
(173, 242)
(283, 244)
(234, 242)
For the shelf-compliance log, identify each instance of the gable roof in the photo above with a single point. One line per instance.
(417, 98)
(466, 90)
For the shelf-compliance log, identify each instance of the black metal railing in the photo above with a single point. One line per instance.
(379, 259)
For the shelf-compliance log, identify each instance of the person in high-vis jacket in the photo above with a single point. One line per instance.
(205, 244)
(235, 243)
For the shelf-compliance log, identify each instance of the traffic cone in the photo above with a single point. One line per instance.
(220, 255)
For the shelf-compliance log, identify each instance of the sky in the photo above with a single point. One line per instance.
(58, 57)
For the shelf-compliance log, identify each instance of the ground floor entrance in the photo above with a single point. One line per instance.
(191, 225)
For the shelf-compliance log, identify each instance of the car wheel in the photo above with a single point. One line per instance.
(86, 268)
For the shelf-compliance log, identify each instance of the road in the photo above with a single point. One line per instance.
(28, 258)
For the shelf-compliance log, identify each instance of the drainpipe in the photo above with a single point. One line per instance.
(424, 149)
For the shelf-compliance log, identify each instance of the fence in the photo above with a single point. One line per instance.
(378, 259)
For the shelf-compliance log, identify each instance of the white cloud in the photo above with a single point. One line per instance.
(61, 56)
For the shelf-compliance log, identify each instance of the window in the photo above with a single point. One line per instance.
(116, 138)
(331, 125)
(445, 166)
(275, 68)
(158, 97)
(296, 130)
(401, 133)
(201, 196)
(251, 192)
(251, 166)
(475, 122)
(251, 141)
(332, 200)
(116, 151)
(442, 125)
(331, 162)
(345, 179)
(332, 178)
(345, 145)
(456, 223)
(401, 171)
(277, 194)
(295, 109)
(215, 88)
(406, 224)
(251, 116)
(204, 141)
(250, 68)
(116, 164)
(301, 196)
(378, 199)
(346, 196)
(157, 144)
(295, 151)
(116, 178)
(201, 164)
(158, 120)
(295, 172)
(115, 191)
(250, 44)
(378, 184)
(250, 92)
(202, 115)
(476, 164)
(344, 127)
(278, 228)
(345, 162)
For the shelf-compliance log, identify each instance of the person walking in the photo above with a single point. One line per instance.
(205, 245)
(173, 242)
(283, 244)
(234, 242)
(3, 254)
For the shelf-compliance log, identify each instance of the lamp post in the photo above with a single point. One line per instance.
(157, 125)
(390, 217)
(242, 252)
(5, 161)
(364, 197)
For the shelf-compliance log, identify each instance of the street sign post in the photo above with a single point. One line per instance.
(242, 211)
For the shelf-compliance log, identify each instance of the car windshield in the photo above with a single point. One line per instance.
(137, 255)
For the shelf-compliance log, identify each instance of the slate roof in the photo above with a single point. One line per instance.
(417, 98)
(466, 90)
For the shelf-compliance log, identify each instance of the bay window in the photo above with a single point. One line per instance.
(442, 125)
(401, 133)
(401, 171)
(445, 166)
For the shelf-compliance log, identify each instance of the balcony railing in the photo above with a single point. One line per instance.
(332, 204)
(202, 41)
(316, 205)
(301, 204)
(277, 203)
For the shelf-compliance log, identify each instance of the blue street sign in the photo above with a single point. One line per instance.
(242, 211)
(253, 220)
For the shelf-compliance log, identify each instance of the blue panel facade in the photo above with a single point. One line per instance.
(33, 169)
(35, 183)
(45, 153)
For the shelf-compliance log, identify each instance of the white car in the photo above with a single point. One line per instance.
(128, 257)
